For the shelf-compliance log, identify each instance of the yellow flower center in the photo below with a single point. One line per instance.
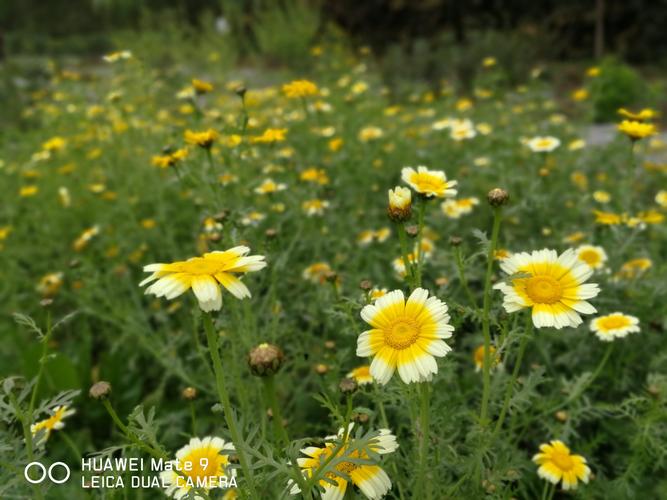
(543, 289)
(614, 322)
(203, 463)
(402, 334)
(562, 460)
(201, 266)
(427, 183)
(590, 257)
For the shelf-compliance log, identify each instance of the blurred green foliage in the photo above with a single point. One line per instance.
(617, 85)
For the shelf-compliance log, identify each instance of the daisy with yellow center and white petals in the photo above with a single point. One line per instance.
(371, 479)
(552, 286)
(361, 374)
(405, 336)
(202, 464)
(594, 256)
(558, 464)
(614, 325)
(429, 183)
(204, 275)
(543, 144)
(55, 422)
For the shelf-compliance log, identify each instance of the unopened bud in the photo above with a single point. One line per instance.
(455, 241)
(412, 231)
(100, 390)
(498, 197)
(189, 393)
(265, 360)
(400, 204)
(348, 386)
(366, 285)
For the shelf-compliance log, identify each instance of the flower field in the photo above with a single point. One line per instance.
(285, 285)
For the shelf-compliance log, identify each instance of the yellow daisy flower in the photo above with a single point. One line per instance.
(317, 273)
(361, 374)
(204, 139)
(637, 130)
(376, 293)
(594, 256)
(204, 275)
(54, 422)
(201, 87)
(554, 288)
(200, 464)
(371, 479)
(558, 464)
(661, 198)
(614, 325)
(543, 144)
(643, 115)
(478, 357)
(269, 186)
(429, 182)
(314, 207)
(405, 335)
(270, 136)
(299, 88)
(635, 267)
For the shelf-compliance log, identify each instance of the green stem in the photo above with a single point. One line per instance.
(588, 383)
(385, 425)
(154, 452)
(42, 364)
(515, 374)
(193, 418)
(223, 395)
(420, 252)
(462, 278)
(279, 431)
(409, 272)
(547, 491)
(424, 424)
(486, 330)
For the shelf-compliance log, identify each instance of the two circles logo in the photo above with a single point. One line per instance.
(46, 472)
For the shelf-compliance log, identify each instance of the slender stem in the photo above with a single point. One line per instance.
(42, 364)
(348, 417)
(385, 425)
(548, 490)
(223, 395)
(462, 278)
(486, 331)
(424, 423)
(515, 374)
(409, 272)
(27, 435)
(420, 234)
(193, 418)
(588, 383)
(279, 431)
(71, 445)
(140, 444)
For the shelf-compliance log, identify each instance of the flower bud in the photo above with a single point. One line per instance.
(265, 360)
(365, 285)
(498, 197)
(400, 204)
(348, 386)
(100, 390)
(189, 393)
(455, 241)
(412, 231)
